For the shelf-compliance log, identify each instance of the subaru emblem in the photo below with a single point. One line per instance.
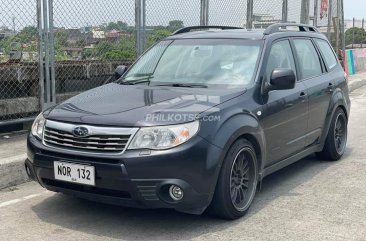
(81, 131)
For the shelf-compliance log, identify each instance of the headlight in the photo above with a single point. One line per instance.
(163, 137)
(38, 126)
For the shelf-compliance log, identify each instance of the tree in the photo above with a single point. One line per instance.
(119, 26)
(25, 40)
(359, 36)
(124, 49)
(157, 35)
(122, 25)
(27, 34)
(61, 39)
(175, 25)
(103, 47)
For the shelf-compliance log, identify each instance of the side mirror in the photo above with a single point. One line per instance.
(120, 70)
(282, 79)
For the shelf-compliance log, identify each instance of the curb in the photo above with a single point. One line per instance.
(12, 171)
(356, 84)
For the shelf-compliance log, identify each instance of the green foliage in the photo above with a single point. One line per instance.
(119, 26)
(124, 49)
(25, 40)
(61, 39)
(358, 33)
(27, 34)
(105, 50)
(175, 25)
(117, 54)
(104, 47)
(157, 35)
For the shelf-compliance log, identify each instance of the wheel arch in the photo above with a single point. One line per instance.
(338, 100)
(241, 126)
(257, 148)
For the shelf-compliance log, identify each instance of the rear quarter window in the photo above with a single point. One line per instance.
(329, 57)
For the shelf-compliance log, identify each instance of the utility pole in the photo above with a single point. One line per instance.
(304, 17)
(13, 21)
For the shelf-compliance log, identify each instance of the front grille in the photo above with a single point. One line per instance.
(97, 143)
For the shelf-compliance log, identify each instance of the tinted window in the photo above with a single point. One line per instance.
(280, 57)
(309, 62)
(328, 54)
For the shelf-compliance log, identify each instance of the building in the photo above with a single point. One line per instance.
(29, 56)
(75, 36)
(262, 21)
(5, 32)
(98, 34)
(115, 35)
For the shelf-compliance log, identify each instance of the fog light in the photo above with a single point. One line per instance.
(176, 193)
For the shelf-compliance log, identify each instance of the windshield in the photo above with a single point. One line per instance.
(209, 62)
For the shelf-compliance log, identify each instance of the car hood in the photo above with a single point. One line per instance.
(139, 105)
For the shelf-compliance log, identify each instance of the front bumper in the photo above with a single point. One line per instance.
(136, 178)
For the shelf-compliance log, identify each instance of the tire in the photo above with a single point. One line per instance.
(336, 141)
(237, 182)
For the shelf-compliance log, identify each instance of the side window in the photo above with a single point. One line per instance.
(309, 62)
(327, 52)
(280, 56)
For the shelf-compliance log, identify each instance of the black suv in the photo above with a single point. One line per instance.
(198, 121)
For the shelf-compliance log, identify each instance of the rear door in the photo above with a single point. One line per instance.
(319, 83)
(286, 111)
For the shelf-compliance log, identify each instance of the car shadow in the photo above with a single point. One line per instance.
(135, 224)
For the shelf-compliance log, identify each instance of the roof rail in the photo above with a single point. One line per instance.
(281, 27)
(188, 29)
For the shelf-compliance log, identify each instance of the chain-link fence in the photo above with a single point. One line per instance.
(355, 34)
(328, 17)
(355, 41)
(91, 38)
(266, 13)
(81, 42)
(221, 13)
(18, 60)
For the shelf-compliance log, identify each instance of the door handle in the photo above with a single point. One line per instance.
(303, 95)
(330, 88)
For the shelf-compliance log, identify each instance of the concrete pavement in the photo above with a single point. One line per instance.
(13, 148)
(356, 81)
(309, 200)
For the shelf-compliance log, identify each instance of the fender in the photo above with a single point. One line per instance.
(338, 100)
(241, 124)
(238, 125)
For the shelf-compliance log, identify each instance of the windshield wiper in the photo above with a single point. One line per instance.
(145, 79)
(135, 82)
(184, 85)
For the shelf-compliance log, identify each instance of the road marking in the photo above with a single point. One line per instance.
(14, 201)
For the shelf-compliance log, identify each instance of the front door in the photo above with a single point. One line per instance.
(285, 117)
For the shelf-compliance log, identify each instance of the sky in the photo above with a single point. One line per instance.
(355, 9)
(79, 13)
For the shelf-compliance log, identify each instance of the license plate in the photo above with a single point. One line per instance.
(75, 173)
